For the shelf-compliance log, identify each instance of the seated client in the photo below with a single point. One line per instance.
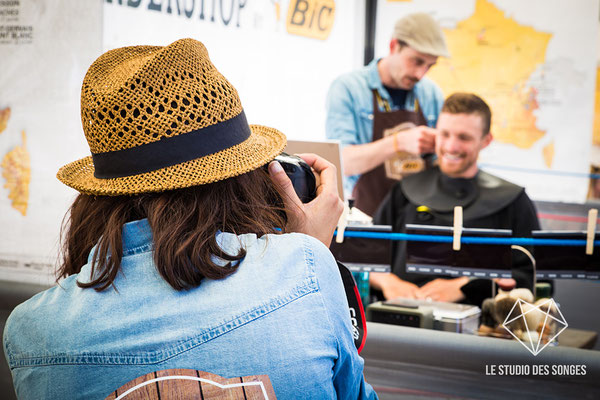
(181, 250)
(429, 198)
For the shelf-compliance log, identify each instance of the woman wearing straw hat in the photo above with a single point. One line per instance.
(175, 255)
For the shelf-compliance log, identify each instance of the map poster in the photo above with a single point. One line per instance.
(529, 61)
(596, 136)
(594, 188)
(45, 49)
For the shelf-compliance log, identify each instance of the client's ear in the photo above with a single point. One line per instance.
(486, 140)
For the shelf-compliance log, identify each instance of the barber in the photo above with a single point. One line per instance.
(390, 95)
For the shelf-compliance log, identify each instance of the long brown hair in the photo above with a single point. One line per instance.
(184, 223)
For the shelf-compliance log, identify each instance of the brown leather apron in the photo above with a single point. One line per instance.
(372, 186)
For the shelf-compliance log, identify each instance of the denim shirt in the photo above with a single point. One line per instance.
(283, 313)
(350, 107)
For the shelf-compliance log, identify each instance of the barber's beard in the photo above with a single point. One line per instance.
(407, 82)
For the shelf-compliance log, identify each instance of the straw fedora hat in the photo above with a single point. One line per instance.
(160, 118)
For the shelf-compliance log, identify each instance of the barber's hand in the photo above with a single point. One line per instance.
(417, 140)
(443, 290)
(318, 218)
(393, 287)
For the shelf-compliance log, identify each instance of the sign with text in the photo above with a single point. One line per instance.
(311, 18)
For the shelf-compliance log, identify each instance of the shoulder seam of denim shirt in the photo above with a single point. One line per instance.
(156, 357)
(307, 286)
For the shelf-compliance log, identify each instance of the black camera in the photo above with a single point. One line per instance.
(305, 185)
(302, 177)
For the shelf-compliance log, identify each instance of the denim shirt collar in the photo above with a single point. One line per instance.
(137, 237)
(374, 82)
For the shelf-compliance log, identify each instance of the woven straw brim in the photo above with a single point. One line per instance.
(263, 145)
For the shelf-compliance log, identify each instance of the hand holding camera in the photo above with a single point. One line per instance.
(318, 217)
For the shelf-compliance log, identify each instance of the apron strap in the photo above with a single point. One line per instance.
(381, 102)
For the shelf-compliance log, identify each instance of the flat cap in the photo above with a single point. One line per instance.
(421, 32)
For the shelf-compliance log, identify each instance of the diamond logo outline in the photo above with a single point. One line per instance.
(535, 348)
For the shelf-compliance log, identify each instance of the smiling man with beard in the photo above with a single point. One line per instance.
(429, 198)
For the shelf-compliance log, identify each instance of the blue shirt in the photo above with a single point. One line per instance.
(350, 107)
(283, 313)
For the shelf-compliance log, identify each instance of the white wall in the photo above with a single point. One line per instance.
(282, 78)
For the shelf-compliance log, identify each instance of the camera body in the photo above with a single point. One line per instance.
(302, 177)
(304, 182)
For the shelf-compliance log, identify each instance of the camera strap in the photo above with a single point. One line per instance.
(357, 312)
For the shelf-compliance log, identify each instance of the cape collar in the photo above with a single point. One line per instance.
(483, 195)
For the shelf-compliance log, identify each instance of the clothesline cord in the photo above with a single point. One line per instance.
(466, 239)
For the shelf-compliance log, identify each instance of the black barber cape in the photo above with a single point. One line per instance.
(487, 201)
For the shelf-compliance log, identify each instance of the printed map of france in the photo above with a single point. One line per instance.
(494, 56)
(16, 169)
